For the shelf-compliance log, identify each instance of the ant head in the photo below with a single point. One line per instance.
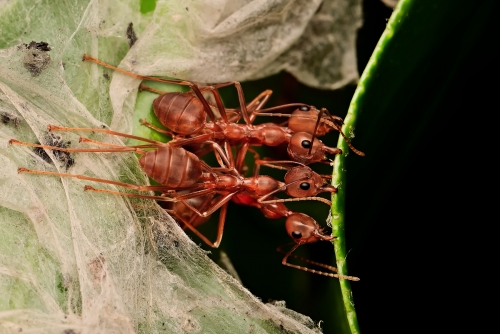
(304, 148)
(303, 229)
(303, 119)
(302, 181)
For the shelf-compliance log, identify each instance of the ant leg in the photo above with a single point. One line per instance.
(151, 89)
(219, 160)
(338, 127)
(315, 198)
(240, 157)
(214, 208)
(224, 156)
(189, 215)
(337, 121)
(219, 204)
(193, 140)
(222, 221)
(329, 150)
(279, 249)
(220, 229)
(137, 76)
(119, 193)
(198, 233)
(283, 123)
(193, 229)
(97, 150)
(218, 102)
(229, 153)
(209, 169)
(194, 87)
(88, 178)
(256, 156)
(258, 102)
(318, 122)
(202, 150)
(227, 160)
(296, 105)
(284, 262)
(95, 142)
(274, 163)
(157, 129)
(241, 98)
(51, 128)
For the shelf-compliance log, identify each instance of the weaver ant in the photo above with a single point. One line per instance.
(309, 119)
(301, 228)
(186, 115)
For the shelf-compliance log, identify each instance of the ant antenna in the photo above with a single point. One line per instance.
(332, 123)
(316, 129)
(297, 105)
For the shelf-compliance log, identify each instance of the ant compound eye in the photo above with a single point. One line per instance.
(306, 143)
(304, 108)
(305, 186)
(296, 235)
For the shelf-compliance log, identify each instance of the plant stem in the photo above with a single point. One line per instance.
(339, 168)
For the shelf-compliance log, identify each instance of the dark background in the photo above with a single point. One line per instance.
(415, 201)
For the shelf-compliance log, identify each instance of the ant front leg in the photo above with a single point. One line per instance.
(256, 105)
(328, 267)
(336, 123)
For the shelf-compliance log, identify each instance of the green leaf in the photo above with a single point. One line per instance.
(339, 176)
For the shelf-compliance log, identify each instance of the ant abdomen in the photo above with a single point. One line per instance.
(181, 113)
(173, 167)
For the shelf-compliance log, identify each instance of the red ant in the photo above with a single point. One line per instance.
(308, 119)
(186, 115)
(300, 227)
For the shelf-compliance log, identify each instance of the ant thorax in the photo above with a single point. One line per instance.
(268, 134)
